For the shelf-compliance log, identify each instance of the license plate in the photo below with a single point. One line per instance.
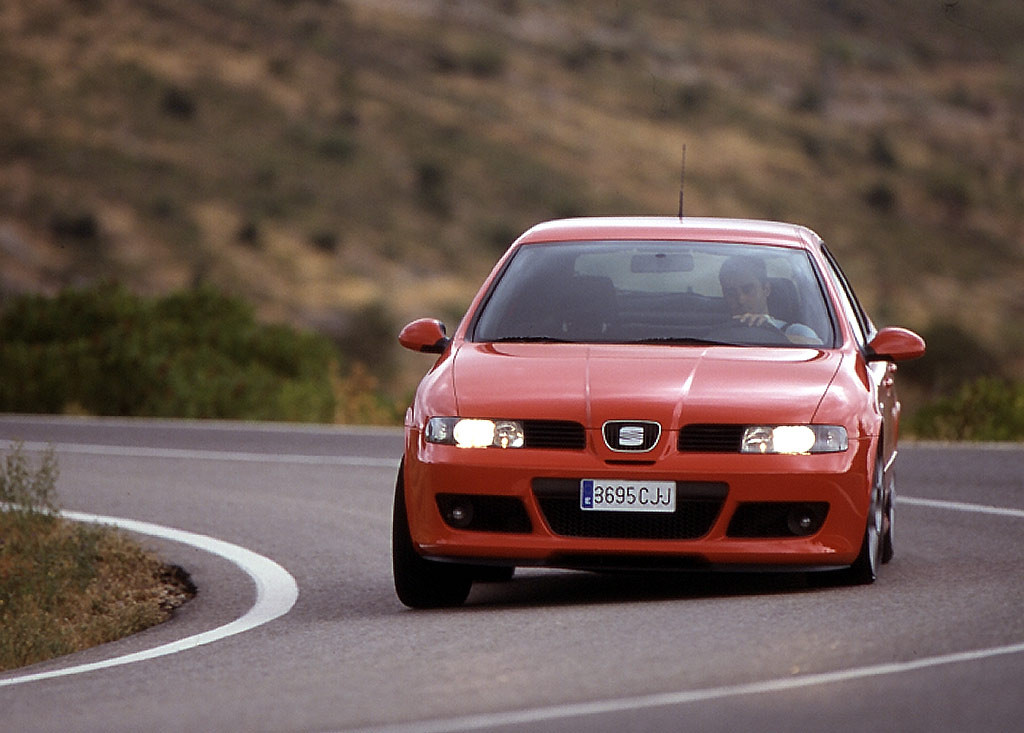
(613, 495)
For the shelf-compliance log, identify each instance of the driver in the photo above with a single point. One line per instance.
(745, 286)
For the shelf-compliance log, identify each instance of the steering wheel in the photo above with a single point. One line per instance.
(740, 333)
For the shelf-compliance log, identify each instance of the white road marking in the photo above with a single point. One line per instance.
(958, 506)
(212, 455)
(276, 593)
(536, 715)
(781, 684)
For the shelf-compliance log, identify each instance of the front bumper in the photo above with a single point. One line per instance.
(840, 480)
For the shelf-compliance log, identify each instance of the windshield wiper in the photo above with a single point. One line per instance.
(530, 339)
(683, 341)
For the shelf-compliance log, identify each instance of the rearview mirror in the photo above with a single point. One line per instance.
(896, 344)
(426, 335)
(662, 262)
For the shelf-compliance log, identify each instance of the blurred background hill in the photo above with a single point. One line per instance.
(347, 165)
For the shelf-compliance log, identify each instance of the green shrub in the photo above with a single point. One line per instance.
(197, 354)
(986, 409)
(27, 491)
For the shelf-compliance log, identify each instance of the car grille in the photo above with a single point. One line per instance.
(701, 438)
(698, 505)
(554, 434)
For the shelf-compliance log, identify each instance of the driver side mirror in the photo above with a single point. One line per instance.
(896, 344)
(426, 335)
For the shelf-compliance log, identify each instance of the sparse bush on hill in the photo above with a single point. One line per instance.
(197, 354)
(432, 187)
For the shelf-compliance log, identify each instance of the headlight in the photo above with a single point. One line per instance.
(794, 439)
(472, 433)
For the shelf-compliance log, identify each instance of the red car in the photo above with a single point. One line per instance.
(651, 393)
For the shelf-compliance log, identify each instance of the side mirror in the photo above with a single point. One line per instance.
(426, 335)
(896, 344)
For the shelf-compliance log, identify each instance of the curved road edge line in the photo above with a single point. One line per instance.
(276, 593)
(484, 721)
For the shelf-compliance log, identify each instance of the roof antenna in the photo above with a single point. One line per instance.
(682, 180)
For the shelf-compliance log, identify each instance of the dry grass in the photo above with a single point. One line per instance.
(65, 586)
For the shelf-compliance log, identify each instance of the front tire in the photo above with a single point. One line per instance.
(864, 570)
(888, 549)
(422, 583)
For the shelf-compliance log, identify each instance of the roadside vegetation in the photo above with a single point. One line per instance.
(202, 354)
(961, 390)
(346, 166)
(66, 586)
(191, 354)
(985, 409)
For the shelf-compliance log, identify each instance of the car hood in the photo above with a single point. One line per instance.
(675, 385)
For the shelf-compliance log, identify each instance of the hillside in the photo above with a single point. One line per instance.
(349, 165)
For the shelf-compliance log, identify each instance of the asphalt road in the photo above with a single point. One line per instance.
(936, 644)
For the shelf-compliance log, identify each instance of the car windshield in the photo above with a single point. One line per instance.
(657, 292)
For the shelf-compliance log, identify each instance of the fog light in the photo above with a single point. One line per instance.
(459, 514)
(803, 520)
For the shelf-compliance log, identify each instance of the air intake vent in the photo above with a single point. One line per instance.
(700, 438)
(777, 519)
(554, 434)
(484, 513)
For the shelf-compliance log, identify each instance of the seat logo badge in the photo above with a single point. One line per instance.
(631, 436)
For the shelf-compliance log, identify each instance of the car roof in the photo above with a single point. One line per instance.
(749, 231)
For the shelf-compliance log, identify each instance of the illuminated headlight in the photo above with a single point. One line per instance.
(794, 439)
(472, 433)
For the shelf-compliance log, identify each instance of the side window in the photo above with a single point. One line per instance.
(862, 327)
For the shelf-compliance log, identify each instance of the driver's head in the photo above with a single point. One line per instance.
(745, 286)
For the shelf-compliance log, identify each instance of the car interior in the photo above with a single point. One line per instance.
(563, 304)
